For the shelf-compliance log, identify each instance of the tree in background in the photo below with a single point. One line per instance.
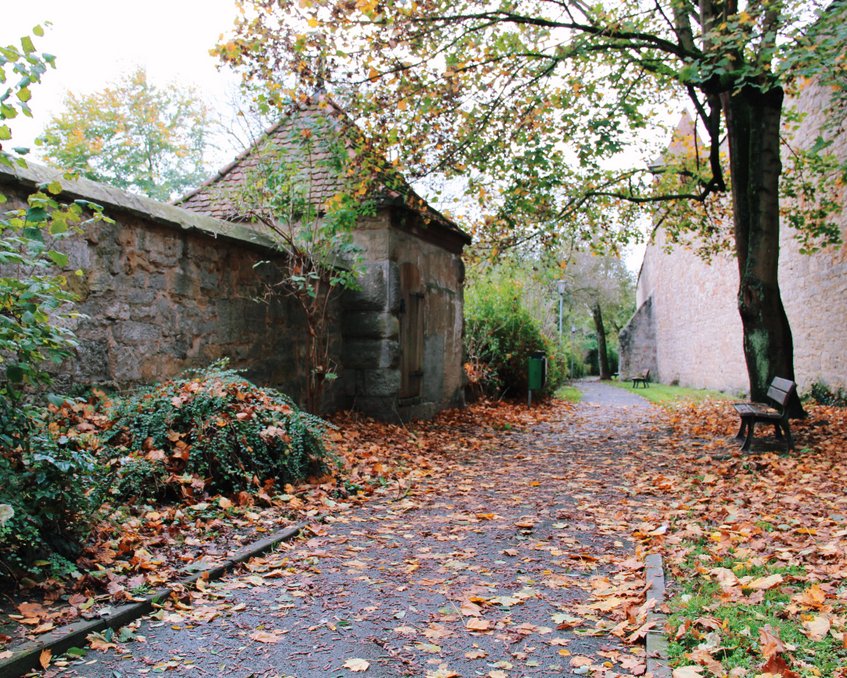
(133, 135)
(601, 285)
(528, 101)
(308, 188)
(512, 310)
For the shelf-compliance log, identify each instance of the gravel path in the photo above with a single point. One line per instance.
(477, 572)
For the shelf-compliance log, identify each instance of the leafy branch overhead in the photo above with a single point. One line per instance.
(547, 110)
(552, 112)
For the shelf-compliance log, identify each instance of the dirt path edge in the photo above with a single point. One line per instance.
(657, 641)
(27, 657)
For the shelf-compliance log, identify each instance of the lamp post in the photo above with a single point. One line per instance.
(573, 332)
(561, 285)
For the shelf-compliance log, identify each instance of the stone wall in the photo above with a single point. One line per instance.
(698, 334)
(166, 289)
(638, 343)
(373, 342)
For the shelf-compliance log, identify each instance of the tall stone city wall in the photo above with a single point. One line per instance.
(697, 328)
(638, 343)
(165, 289)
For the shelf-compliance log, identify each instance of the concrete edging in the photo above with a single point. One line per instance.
(657, 641)
(26, 657)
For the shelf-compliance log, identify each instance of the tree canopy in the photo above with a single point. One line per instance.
(545, 109)
(134, 135)
(542, 106)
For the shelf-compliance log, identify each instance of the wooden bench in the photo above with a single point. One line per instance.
(752, 413)
(643, 379)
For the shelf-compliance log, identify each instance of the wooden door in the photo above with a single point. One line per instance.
(411, 331)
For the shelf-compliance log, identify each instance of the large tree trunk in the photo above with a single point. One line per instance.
(602, 355)
(753, 126)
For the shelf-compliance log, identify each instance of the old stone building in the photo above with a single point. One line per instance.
(401, 333)
(171, 287)
(687, 329)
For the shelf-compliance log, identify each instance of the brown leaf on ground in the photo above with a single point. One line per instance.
(777, 666)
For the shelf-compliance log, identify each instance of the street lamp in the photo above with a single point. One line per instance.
(561, 285)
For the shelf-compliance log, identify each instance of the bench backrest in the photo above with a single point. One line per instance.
(780, 391)
(646, 375)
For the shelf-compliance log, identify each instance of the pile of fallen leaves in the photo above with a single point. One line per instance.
(135, 548)
(756, 543)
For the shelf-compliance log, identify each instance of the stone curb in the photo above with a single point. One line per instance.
(657, 641)
(26, 657)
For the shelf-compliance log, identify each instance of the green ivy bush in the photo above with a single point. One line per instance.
(50, 486)
(210, 431)
(500, 335)
(824, 395)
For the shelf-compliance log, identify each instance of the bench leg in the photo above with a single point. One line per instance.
(742, 430)
(748, 440)
(777, 430)
(788, 435)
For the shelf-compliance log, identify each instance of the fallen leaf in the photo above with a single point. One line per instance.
(770, 642)
(478, 624)
(764, 583)
(776, 665)
(817, 628)
(357, 665)
(688, 672)
(269, 637)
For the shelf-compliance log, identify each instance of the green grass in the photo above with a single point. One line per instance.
(569, 393)
(663, 394)
(739, 621)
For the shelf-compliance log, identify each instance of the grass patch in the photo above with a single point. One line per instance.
(703, 616)
(570, 394)
(663, 394)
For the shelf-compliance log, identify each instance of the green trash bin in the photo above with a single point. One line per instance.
(537, 371)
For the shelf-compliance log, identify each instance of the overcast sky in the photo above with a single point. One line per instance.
(97, 41)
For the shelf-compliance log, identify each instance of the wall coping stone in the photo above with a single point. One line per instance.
(112, 198)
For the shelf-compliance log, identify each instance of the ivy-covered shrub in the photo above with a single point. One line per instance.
(500, 335)
(50, 486)
(210, 431)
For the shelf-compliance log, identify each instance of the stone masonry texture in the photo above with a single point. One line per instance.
(698, 335)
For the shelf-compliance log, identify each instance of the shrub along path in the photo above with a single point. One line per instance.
(510, 556)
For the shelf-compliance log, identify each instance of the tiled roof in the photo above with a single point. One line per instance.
(222, 196)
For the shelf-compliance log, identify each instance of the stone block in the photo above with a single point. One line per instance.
(367, 324)
(378, 383)
(132, 332)
(371, 353)
(374, 286)
(384, 409)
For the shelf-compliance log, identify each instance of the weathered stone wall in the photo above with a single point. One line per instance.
(814, 287)
(371, 322)
(442, 280)
(638, 343)
(165, 289)
(698, 331)
(370, 327)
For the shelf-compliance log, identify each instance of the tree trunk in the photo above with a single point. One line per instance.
(602, 355)
(753, 126)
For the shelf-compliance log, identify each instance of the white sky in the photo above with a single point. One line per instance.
(98, 41)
